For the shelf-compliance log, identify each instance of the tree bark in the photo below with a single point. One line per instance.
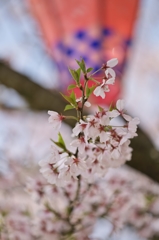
(144, 159)
(38, 98)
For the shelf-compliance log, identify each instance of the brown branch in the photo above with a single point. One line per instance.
(37, 96)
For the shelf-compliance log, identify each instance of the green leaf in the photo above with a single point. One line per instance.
(57, 143)
(71, 86)
(60, 142)
(100, 109)
(68, 99)
(108, 128)
(74, 75)
(68, 107)
(89, 70)
(78, 71)
(150, 198)
(111, 108)
(73, 98)
(89, 90)
(92, 89)
(82, 65)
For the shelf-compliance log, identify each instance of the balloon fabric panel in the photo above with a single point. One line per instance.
(95, 30)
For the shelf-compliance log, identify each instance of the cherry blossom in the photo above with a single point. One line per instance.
(50, 168)
(76, 166)
(101, 90)
(120, 111)
(77, 189)
(96, 142)
(49, 171)
(104, 87)
(79, 100)
(80, 143)
(55, 119)
(111, 72)
(81, 126)
(112, 63)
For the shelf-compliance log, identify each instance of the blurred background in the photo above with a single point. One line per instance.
(39, 39)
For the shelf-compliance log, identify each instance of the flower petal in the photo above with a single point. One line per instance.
(111, 72)
(110, 81)
(127, 117)
(52, 113)
(120, 105)
(97, 91)
(113, 113)
(112, 62)
(87, 104)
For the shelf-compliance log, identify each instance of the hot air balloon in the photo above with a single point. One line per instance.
(95, 30)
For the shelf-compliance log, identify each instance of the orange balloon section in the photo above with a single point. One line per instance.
(95, 30)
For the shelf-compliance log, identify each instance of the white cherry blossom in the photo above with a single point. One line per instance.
(92, 127)
(120, 111)
(55, 156)
(80, 127)
(101, 89)
(110, 81)
(104, 117)
(111, 72)
(132, 125)
(55, 119)
(80, 143)
(112, 62)
(76, 166)
(104, 136)
(87, 104)
(49, 171)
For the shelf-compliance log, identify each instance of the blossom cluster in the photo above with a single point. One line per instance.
(74, 196)
(109, 79)
(109, 198)
(99, 145)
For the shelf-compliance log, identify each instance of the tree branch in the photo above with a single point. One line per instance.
(145, 158)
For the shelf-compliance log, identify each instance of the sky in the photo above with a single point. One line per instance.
(21, 43)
